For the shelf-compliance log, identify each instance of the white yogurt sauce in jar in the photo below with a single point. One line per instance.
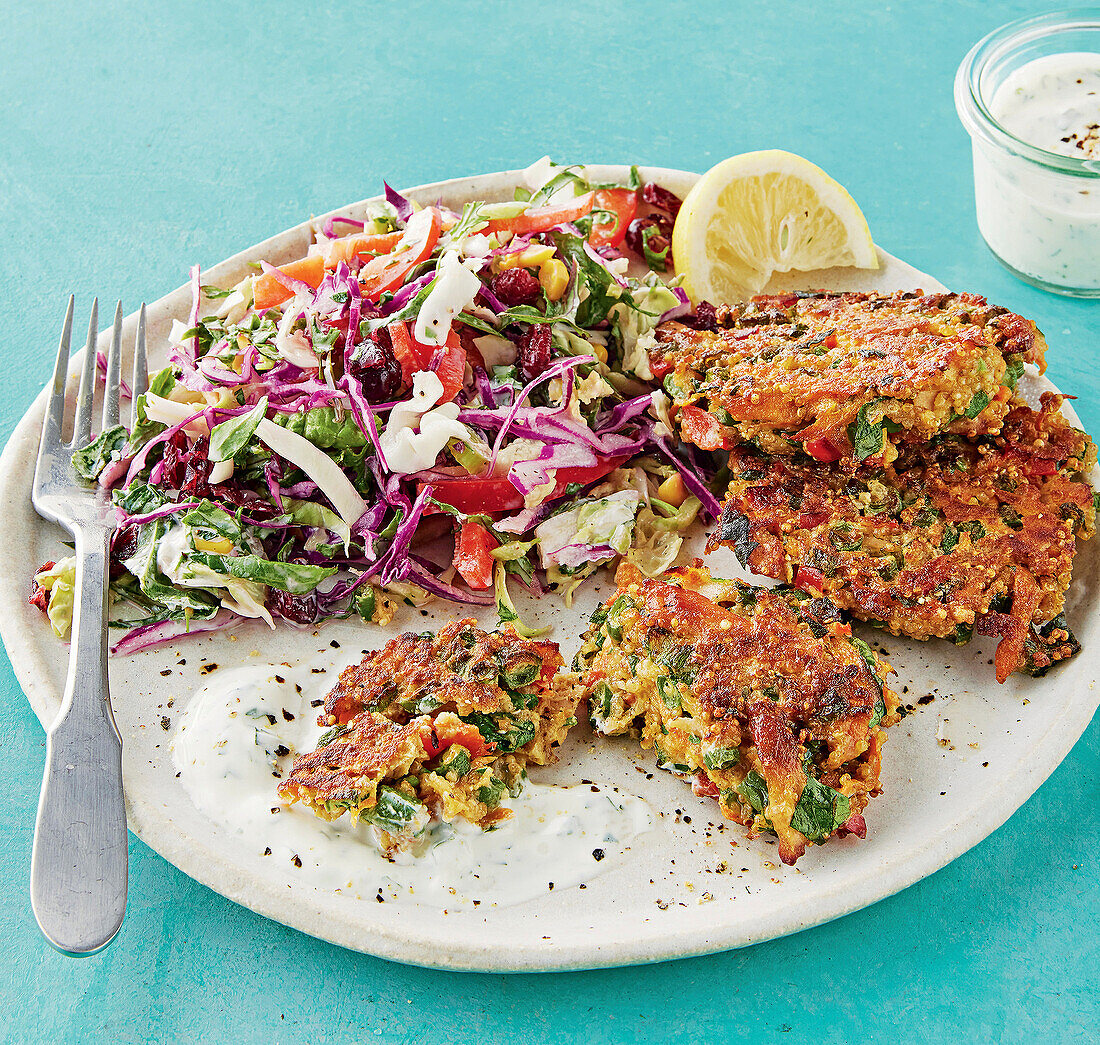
(238, 736)
(1035, 128)
(1054, 103)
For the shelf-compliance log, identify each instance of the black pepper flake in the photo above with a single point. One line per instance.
(597, 854)
(687, 819)
(297, 689)
(296, 860)
(316, 703)
(267, 851)
(281, 750)
(551, 886)
(165, 723)
(334, 644)
(287, 716)
(207, 668)
(477, 903)
(166, 672)
(926, 699)
(582, 886)
(274, 809)
(317, 671)
(280, 680)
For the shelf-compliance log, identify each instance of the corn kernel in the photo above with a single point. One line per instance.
(219, 545)
(530, 257)
(554, 277)
(672, 490)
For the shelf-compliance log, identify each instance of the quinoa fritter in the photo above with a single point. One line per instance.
(837, 375)
(958, 535)
(434, 727)
(762, 695)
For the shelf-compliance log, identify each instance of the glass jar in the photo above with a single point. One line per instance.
(1038, 207)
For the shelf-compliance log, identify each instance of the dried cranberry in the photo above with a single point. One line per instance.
(373, 363)
(174, 460)
(667, 201)
(302, 609)
(196, 471)
(534, 350)
(124, 544)
(516, 287)
(705, 318)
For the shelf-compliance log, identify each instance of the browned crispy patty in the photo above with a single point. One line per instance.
(844, 376)
(762, 696)
(434, 727)
(958, 534)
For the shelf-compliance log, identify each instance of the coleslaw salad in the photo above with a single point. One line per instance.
(429, 404)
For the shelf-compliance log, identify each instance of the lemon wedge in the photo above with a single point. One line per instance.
(760, 213)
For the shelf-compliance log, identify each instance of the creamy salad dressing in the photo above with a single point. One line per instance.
(1043, 222)
(238, 736)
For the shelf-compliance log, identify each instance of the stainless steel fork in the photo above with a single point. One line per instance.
(79, 862)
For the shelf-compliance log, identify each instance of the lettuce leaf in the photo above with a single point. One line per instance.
(323, 428)
(230, 437)
(294, 577)
(89, 461)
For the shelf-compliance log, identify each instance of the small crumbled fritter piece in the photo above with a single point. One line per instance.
(845, 376)
(435, 727)
(958, 535)
(762, 695)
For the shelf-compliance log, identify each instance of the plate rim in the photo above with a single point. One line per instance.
(896, 871)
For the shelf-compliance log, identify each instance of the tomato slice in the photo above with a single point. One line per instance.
(487, 494)
(367, 246)
(543, 218)
(389, 271)
(415, 356)
(267, 291)
(703, 429)
(473, 558)
(623, 203)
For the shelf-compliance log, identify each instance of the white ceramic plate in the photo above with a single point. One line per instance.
(954, 770)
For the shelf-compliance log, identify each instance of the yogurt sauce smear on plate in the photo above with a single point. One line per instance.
(238, 736)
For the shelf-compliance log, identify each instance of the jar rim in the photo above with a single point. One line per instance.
(971, 105)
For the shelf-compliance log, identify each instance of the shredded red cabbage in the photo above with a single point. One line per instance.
(149, 635)
(692, 481)
(328, 226)
(399, 203)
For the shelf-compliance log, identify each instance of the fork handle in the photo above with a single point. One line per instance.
(79, 861)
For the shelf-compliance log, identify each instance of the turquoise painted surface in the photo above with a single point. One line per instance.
(135, 140)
